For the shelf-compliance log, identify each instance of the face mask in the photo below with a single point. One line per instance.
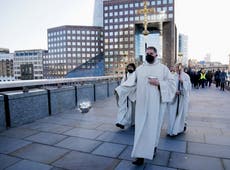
(149, 58)
(130, 71)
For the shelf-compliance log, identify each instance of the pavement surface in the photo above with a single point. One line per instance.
(72, 140)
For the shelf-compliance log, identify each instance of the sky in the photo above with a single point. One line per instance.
(24, 23)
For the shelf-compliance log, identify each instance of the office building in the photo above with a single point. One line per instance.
(123, 26)
(69, 47)
(6, 65)
(28, 64)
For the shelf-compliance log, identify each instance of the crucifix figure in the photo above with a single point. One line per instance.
(145, 11)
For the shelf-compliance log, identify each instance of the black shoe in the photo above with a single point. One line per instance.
(155, 152)
(120, 125)
(138, 161)
(185, 127)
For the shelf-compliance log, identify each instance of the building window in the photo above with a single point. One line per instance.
(170, 8)
(170, 16)
(159, 2)
(170, 1)
(164, 1)
(158, 9)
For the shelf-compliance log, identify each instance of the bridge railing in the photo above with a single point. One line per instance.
(26, 101)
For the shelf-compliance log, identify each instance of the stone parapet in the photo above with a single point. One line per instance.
(61, 99)
(2, 114)
(25, 107)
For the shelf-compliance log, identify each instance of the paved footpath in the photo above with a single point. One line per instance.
(74, 141)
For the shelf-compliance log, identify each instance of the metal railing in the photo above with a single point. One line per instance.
(25, 85)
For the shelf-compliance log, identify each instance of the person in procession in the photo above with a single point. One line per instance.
(178, 108)
(125, 95)
(155, 86)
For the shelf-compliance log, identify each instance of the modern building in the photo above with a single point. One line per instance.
(4, 50)
(98, 13)
(6, 65)
(69, 47)
(93, 67)
(123, 26)
(183, 48)
(28, 64)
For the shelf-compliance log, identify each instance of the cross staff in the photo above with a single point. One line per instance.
(145, 11)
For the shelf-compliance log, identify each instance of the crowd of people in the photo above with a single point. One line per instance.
(145, 94)
(204, 78)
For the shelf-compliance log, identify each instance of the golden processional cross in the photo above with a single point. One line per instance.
(145, 11)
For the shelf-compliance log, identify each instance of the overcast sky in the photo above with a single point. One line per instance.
(24, 23)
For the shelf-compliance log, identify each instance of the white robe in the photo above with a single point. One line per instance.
(176, 121)
(125, 95)
(150, 107)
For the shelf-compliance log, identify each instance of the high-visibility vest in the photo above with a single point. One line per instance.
(202, 76)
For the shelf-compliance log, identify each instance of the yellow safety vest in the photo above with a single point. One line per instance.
(202, 76)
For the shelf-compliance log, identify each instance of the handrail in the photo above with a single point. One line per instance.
(43, 82)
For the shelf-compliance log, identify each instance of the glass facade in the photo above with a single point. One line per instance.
(120, 18)
(69, 47)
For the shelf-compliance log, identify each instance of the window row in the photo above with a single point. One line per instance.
(63, 38)
(162, 16)
(116, 46)
(80, 32)
(137, 4)
(61, 44)
(131, 12)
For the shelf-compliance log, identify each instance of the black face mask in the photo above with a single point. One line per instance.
(149, 58)
(130, 71)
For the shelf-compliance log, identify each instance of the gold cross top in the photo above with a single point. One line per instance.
(145, 11)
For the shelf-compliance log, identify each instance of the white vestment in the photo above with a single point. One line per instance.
(176, 120)
(150, 107)
(125, 95)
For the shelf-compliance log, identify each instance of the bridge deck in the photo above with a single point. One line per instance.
(72, 140)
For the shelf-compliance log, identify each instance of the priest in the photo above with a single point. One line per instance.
(155, 87)
(178, 108)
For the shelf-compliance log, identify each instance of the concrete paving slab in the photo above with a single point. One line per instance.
(47, 127)
(46, 138)
(161, 158)
(30, 165)
(109, 149)
(154, 167)
(172, 145)
(209, 150)
(78, 160)
(127, 165)
(120, 138)
(79, 144)
(219, 140)
(19, 133)
(6, 161)
(226, 164)
(40, 153)
(194, 162)
(85, 133)
(8, 145)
